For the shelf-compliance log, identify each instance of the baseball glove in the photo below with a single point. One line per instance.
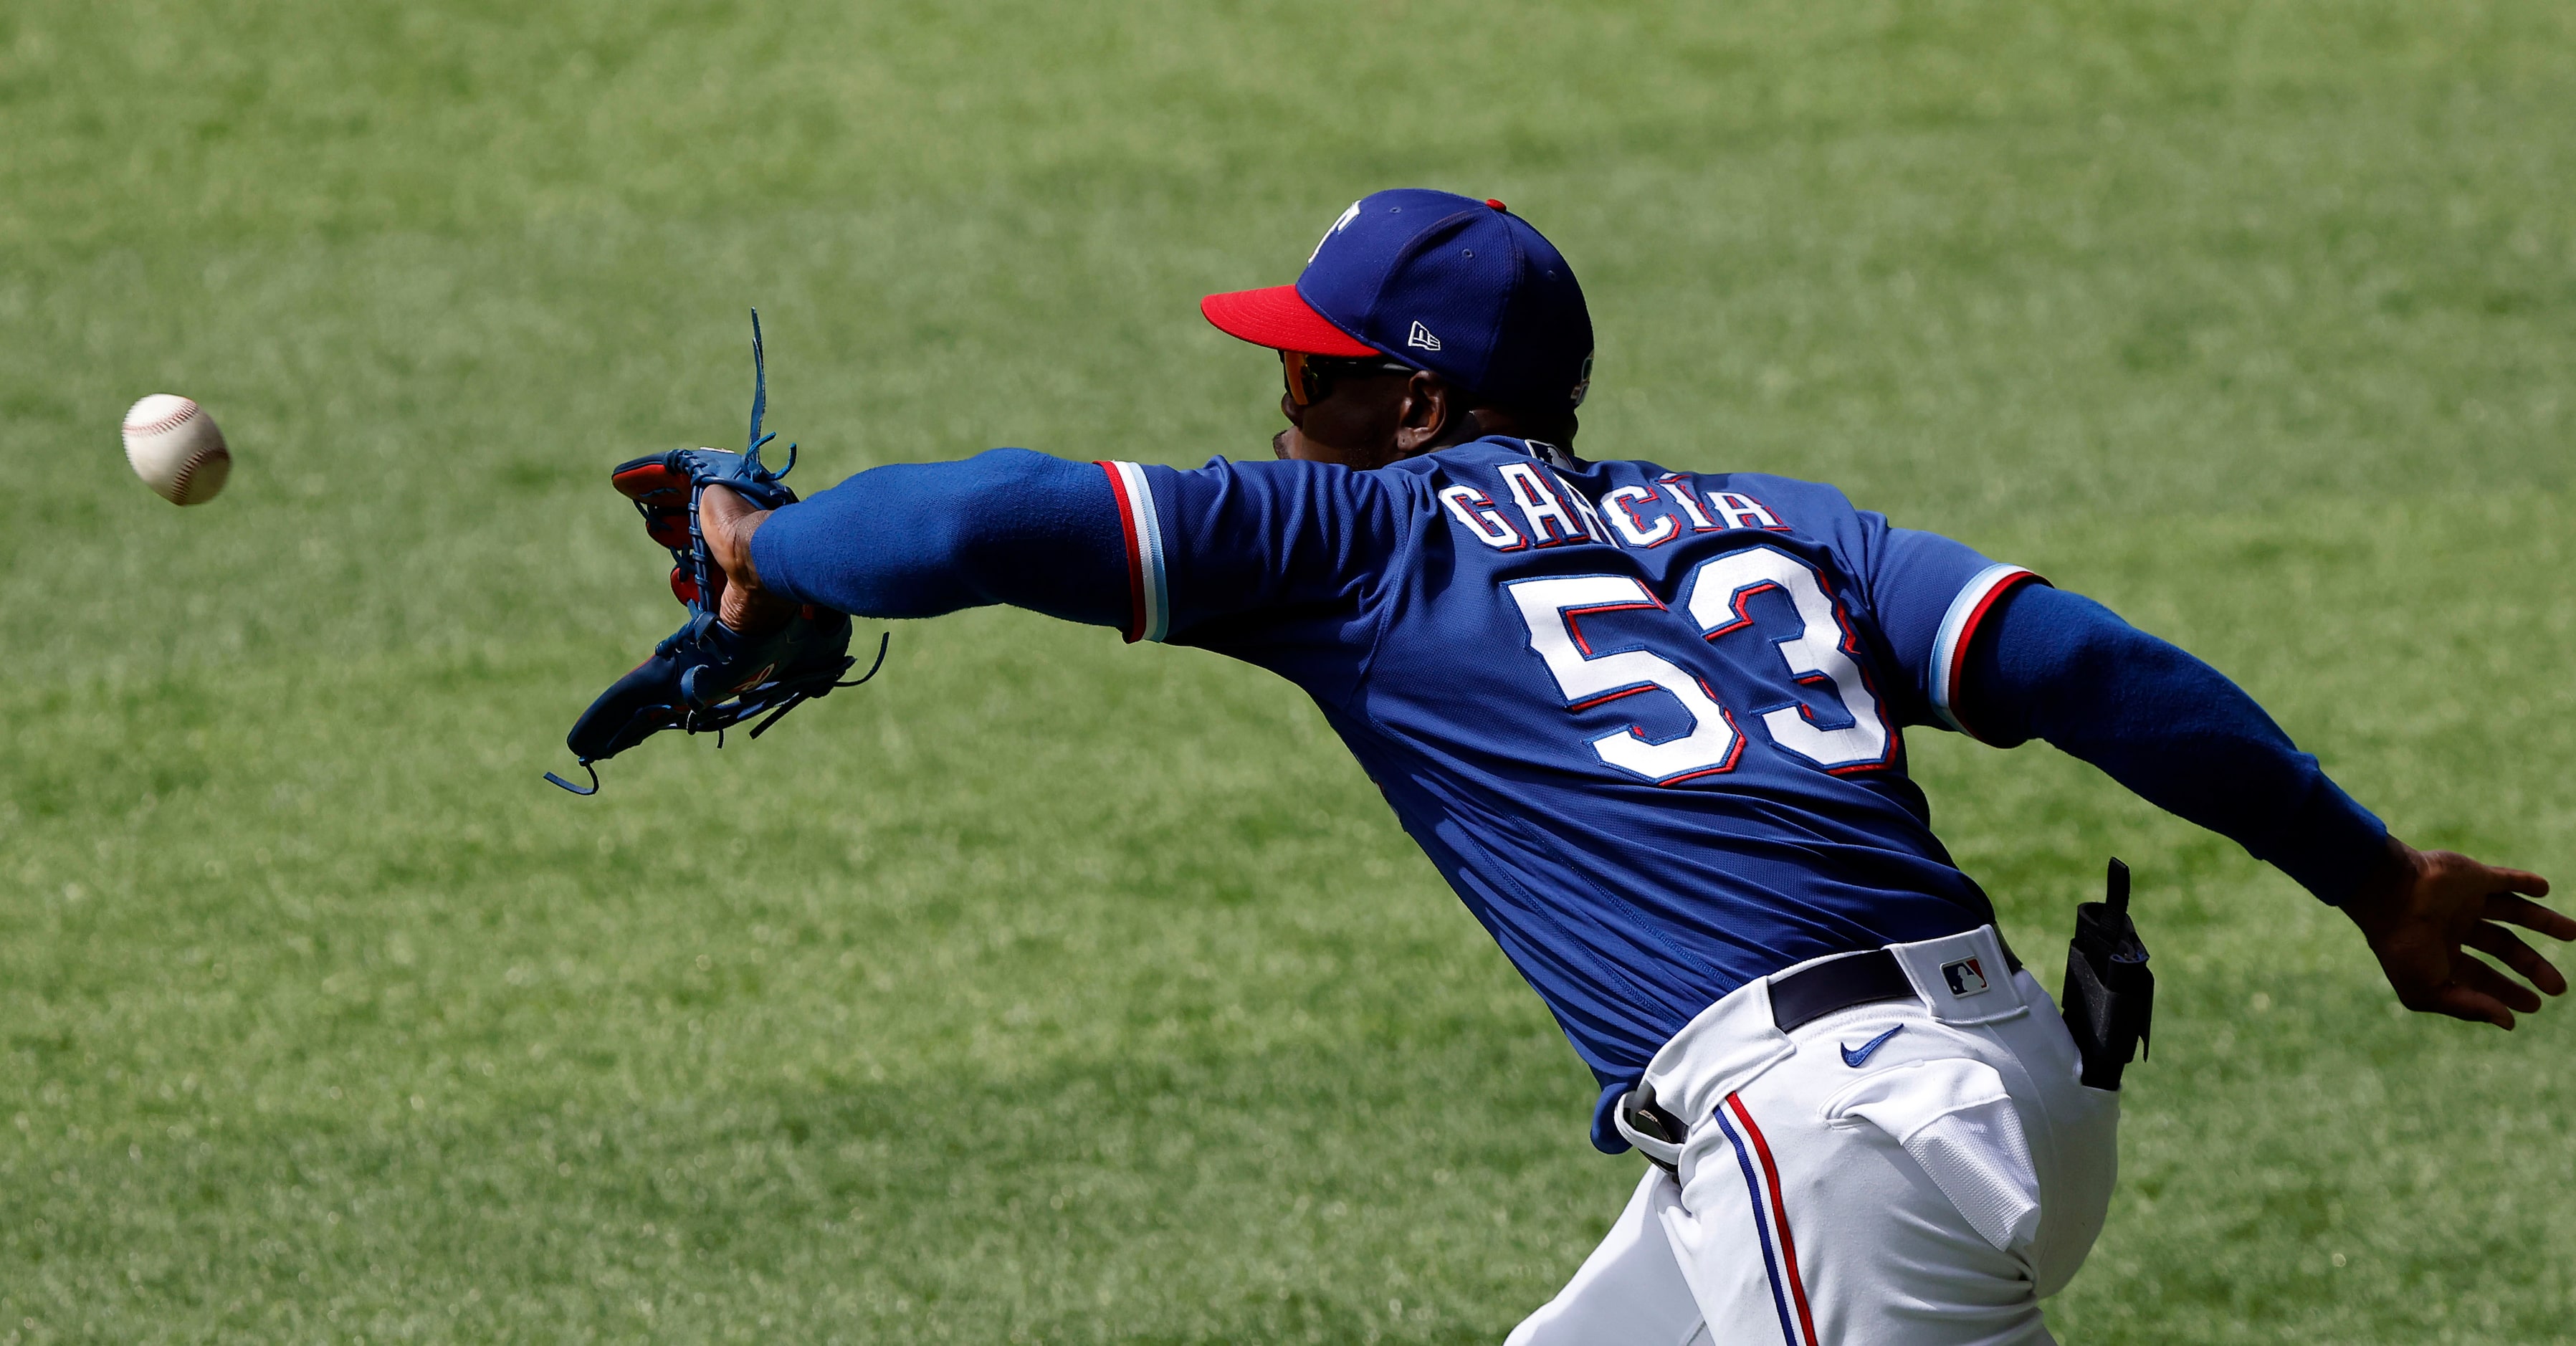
(707, 676)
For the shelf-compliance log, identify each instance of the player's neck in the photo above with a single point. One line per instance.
(1483, 422)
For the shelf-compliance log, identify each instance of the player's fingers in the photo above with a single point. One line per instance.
(2486, 981)
(2519, 881)
(2499, 943)
(2530, 915)
(2460, 1002)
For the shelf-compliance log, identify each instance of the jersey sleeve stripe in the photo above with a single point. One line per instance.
(1959, 631)
(1147, 590)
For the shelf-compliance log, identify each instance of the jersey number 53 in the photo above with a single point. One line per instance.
(1713, 600)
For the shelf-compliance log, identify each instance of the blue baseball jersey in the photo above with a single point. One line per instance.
(1648, 724)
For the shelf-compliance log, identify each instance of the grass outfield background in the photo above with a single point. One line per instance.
(1052, 990)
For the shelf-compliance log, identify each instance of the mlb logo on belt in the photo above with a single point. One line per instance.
(1966, 976)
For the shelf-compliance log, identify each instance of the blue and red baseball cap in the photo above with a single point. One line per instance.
(1460, 287)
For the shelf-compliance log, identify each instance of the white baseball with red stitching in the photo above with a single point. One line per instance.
(174, 446)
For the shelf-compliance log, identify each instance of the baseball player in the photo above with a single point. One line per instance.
(1650, 725)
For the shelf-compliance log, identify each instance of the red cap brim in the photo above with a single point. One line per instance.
(1281, 319)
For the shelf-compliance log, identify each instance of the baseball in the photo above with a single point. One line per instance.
(174, 446)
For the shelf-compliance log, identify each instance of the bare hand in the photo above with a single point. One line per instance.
(727, 521)
(2421, 907)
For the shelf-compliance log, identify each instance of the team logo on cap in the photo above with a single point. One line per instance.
(1421, 336)
(1349, 213)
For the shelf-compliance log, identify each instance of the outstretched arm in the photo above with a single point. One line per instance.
(1274, 563)
(2060, 667)
(920, 540)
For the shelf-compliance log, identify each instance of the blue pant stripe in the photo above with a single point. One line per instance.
(1761, 1226)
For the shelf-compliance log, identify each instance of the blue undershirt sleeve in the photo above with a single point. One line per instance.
(919, 540)
(2061, 667)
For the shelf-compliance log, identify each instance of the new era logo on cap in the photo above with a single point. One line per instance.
(1421, 336)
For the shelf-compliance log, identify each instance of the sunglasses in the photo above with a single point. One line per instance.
(1310, 378)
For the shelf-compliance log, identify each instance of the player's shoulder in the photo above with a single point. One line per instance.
(1286, 470)
(1275, 493)
(1285, 477)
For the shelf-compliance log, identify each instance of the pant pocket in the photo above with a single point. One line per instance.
(1954, 1119)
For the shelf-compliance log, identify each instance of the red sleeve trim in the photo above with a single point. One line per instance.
(1135, 552)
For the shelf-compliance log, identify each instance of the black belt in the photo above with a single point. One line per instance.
(1809, 994)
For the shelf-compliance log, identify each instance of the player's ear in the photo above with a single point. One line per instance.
(1429, 416)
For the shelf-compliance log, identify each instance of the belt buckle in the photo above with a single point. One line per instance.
(1651, 1129)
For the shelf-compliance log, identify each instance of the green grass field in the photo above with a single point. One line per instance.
(1053, 990)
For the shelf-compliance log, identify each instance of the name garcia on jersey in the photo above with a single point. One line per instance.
(1551, 514)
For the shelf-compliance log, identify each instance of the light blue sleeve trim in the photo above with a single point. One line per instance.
(1958, 625)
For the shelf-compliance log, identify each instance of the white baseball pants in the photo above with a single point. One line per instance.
(1918, 1171)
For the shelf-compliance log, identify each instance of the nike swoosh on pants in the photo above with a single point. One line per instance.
(1855, 1059)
